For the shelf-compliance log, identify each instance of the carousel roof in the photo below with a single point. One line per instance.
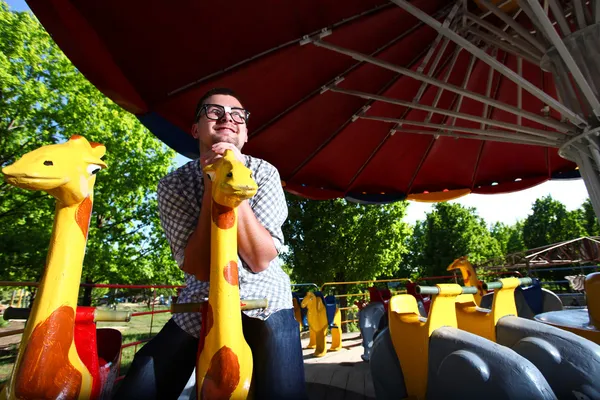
(372, 100)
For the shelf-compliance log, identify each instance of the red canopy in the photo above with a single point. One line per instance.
(332, 87)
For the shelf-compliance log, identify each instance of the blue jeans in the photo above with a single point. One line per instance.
(162, 367)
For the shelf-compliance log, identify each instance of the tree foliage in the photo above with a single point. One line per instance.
(550, 223)
(45, 100)
(340, 241)
(509, 237)
(449, 231)
(588, 220)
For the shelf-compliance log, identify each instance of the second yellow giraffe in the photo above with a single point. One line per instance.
(224, 367)
(48, 365)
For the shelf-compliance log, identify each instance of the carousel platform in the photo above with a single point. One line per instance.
(339, 375)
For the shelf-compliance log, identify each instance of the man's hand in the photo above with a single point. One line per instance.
(217, 151)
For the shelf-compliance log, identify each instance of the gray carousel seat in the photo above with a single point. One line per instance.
(461, 366)
(368, 320)
(530, 301)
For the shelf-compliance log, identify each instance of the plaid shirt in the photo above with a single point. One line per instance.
(179, 202)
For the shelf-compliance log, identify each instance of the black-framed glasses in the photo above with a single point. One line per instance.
(216, 112)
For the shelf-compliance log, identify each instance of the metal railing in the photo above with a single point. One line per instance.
(151, 304)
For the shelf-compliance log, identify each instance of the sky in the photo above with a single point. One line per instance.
(17, 5)
(506, 208)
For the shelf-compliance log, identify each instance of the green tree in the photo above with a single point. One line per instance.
(45, 100)
(449, 231)
(550, 222)
(588, 219)
(509, 237)
(341, 241)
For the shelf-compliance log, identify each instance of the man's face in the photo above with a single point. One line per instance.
(209, 131)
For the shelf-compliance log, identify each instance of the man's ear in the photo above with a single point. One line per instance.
(194, 130)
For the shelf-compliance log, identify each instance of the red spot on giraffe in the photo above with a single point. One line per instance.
(223, 375)
(83, 214)
(208, 323)
(76, 137)
(95, 144)
(223, 216)
(230, 273)
(45, 371)
(468, 274)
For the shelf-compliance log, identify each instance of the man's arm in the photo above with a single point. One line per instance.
(259, 226)
(197, 251)
(255, 243)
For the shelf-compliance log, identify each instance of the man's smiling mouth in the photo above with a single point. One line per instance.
(224, 129)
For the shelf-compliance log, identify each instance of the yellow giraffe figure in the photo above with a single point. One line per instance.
(48, 366)
(224, 368)
(469, 276)
(318, 324)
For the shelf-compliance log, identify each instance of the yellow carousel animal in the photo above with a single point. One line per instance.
(469, 276)
(318, 324)
(48, 366)
(224, 368)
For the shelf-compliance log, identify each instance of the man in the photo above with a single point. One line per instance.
(162, 367)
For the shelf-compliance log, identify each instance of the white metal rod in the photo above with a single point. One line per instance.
(537, 29)
(467, 117)
(519, 90)
(535, 60)
(438, 94)
(503, 69)
(589, 19)
(550, 32)
(464, 86)
(431, 71)
(515, 25)
(450, 133)
(560, 126)
(521, 44)
(579, 14)
(561, 79)
(480, 132)
(593, 147)
(559, 16)
(488, 91)
(437, 40)
(589, 178)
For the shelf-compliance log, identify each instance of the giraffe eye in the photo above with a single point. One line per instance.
(92, 169)
(230, 175)
(48, 163)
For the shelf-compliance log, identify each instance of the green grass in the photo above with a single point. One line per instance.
(135, 330)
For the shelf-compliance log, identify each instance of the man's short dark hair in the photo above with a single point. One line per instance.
(212, 92)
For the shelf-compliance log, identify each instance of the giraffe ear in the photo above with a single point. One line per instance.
(210, 171)
(98, 150)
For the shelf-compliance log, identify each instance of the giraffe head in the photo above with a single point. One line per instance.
(464, 266)
(67, 171)
(232, 181)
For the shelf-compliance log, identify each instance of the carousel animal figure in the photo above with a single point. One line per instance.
(319, 319)
(469, 276)
(369, 319)
(224, 367)
(299, 312)
(530, 300)
(431, 358)
(570, 363)
(49, 364)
